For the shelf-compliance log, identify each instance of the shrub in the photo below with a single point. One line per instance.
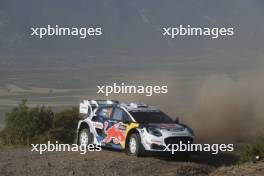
(250, 151)
(24, 123)
(64, 125)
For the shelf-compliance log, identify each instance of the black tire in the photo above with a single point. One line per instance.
(139, 149)
(84, 132)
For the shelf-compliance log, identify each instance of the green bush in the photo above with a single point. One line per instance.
(25, 125)
(250, 151)
(64, 125)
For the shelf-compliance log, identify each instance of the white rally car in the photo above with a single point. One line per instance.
(135, 128)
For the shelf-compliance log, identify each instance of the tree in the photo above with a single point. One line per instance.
(64, 125)
(24, 123)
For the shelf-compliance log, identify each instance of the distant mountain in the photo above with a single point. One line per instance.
(131, 28)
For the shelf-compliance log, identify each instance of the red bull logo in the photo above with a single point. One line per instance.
(113, 133)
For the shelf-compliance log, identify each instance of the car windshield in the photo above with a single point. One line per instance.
(151, 117)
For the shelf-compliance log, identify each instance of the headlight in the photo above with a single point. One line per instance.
(154, 131)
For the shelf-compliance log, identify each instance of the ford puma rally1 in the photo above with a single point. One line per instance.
(135, 128)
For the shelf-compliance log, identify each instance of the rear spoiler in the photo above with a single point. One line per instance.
(87, 106)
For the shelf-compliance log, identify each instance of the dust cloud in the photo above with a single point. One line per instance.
(221, 108)
(228, 109)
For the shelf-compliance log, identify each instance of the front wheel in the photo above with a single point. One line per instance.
(85, 137)
(134, 146)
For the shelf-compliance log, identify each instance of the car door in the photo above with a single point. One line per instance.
(115, 129)
(103, 116)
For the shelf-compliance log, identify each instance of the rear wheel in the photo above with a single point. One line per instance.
(134, 146)
(85, 137)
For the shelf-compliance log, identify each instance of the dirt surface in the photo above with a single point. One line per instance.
(248, 169)
(23, 162)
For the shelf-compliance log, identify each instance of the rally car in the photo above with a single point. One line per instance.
(135, 128)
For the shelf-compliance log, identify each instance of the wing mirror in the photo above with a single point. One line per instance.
(177, 120)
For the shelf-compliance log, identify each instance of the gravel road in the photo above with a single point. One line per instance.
(23, 162)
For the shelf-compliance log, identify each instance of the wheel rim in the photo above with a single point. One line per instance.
(132, 145)
(83, 138)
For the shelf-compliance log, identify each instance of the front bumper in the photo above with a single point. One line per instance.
(154, 143)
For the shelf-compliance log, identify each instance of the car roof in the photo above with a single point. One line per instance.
(139, 107)
(132, 107)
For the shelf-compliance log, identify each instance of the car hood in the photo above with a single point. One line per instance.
(168, 126)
